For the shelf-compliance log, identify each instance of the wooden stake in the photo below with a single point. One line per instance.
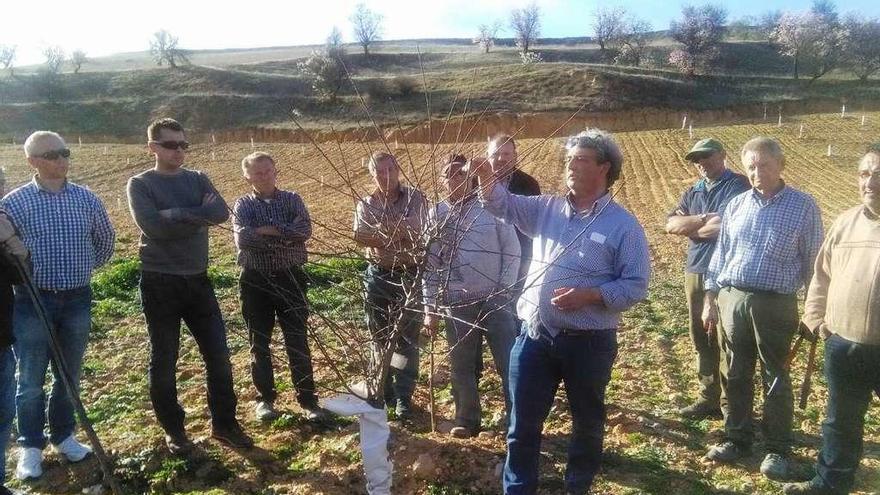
(843, 110)
(829, 150)
(801, 133)
(80, 139)
(684, 122)
(252, 142)
(213, 139)
(863, 121)
(691, 131)
(779, 124)
(765, 111)
(213, 157)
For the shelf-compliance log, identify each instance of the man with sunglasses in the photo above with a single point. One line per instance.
(472, 266)
(591, 262)
(698, 217)
(173, 207)
(68, 233)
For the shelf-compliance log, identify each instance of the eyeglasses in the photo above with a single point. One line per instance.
(55, 154)
(172, 145)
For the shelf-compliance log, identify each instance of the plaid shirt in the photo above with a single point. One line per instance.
(767, 245)
(604, 247)
(265, 253)
(68, 233)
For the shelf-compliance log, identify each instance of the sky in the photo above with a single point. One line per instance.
(104, 27)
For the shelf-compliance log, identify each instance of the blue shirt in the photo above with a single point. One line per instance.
(67, 233)
(708, 197)
(767, 245)
(603, 247)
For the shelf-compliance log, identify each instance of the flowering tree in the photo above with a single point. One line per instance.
(699, 30)
(486, 36)
(862, 45)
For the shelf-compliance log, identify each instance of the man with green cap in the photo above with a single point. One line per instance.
(698, 217)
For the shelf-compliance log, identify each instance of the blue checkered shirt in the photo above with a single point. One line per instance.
(767, 245)
(68, 233)
(603, 247)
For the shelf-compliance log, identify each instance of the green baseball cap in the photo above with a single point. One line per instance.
(703, 148)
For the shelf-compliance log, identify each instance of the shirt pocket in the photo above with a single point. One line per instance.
(593, 256)
(782, 243)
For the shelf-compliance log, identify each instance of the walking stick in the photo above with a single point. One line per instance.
(788, 360)
(808, 377)
(64, 373)
(431, 386)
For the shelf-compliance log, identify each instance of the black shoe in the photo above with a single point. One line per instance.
(811, 487)
(178, 443)
(233, 436)
(701, 410)
(316, 414)
(728, 452)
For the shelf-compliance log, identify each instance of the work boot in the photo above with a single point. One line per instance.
(462, 432)
(233, 436)
(776, 466)
(178, 443)
(813, 487)
(701, 410)
(727, 452)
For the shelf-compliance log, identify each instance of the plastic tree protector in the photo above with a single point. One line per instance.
(374, 439)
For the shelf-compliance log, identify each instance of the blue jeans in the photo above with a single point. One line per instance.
(70, 314)
(583, 362)
(7, 404)
(168, 299)
(389, 313)
(853, 372)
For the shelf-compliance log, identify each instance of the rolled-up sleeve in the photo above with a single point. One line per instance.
(633, 265)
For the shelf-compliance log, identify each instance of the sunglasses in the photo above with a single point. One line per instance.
(55, 154)
(173, 145)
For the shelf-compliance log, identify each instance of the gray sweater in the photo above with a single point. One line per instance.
(177, 243)
(472, 255)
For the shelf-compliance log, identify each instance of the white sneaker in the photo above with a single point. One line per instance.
(72, 450)
(30, 463)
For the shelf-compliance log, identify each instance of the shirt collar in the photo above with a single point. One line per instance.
(570, 211)
(402, 192)
(779, 194)
(256, 196)
(39, 186)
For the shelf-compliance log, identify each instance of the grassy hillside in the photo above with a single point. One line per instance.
(231, 89)
(650, 450)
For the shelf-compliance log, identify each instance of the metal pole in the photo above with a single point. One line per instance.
(63, 372)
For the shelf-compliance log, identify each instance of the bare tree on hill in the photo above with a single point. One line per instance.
(486, 35)
(367, 26)
(862, 45)
(608, 24)
(526, 26)
(55, 59)
(164, 49)
(7, 57)
(633, 39)
(77, 59)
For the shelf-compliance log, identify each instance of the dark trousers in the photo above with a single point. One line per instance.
(389, 313)
(758, 326)
(583, 362)
(168, 299)
(712, 388)
(853, 372)
(282, 294)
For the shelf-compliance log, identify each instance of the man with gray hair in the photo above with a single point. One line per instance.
(390, 224)
(68, 233)
(843, 307)
(591, 262)
(271, 229)
(766, 247)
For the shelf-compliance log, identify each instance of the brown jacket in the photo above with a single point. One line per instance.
(844, 295)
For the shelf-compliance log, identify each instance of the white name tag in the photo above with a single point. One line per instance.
(597, 237)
